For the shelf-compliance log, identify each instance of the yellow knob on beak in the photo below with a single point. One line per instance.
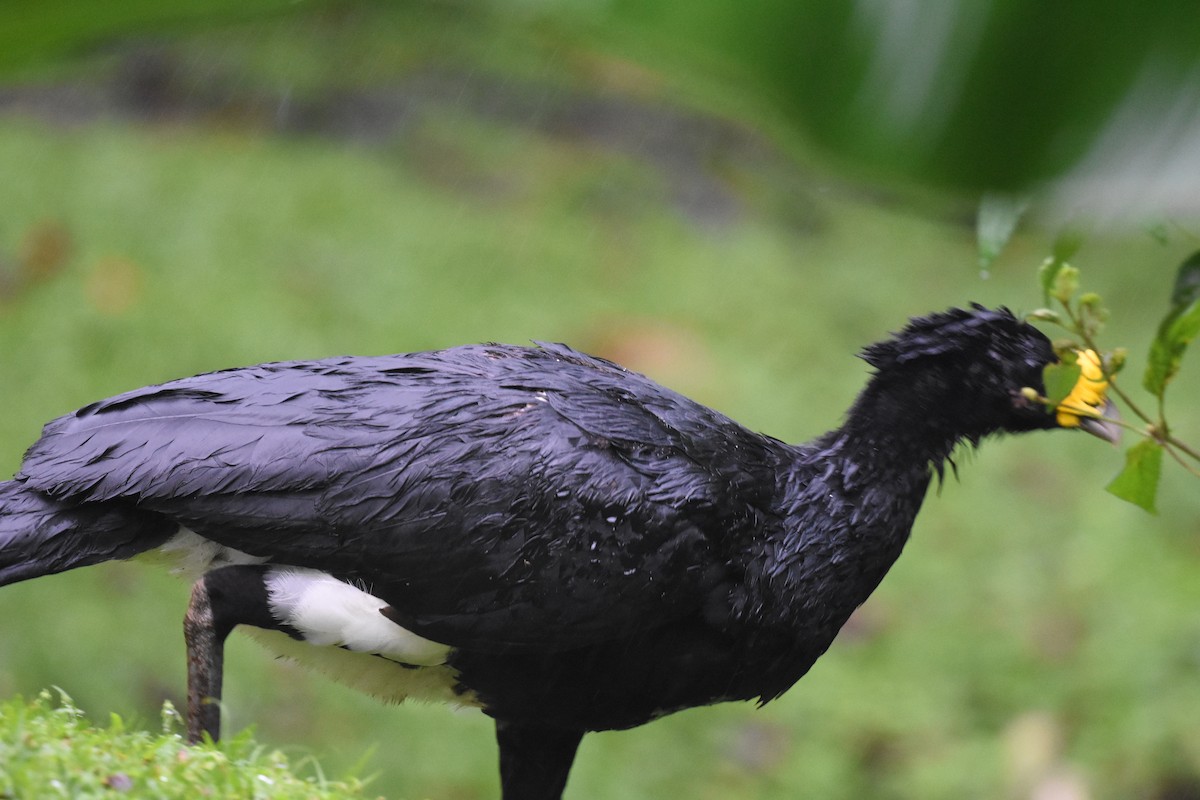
(1087, 406)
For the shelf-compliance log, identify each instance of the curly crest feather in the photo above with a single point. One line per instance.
(956, 331)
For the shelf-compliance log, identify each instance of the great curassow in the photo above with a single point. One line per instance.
(539, 533)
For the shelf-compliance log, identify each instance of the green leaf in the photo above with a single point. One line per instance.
(1066, 245)
(1177, 329)
(1187, 282)
(1160, 233)
(1066, 282)
(1060, 379)
(1044, 315)
(1116, 360)
(998, 218)
(1048, 275)
(1137, 483)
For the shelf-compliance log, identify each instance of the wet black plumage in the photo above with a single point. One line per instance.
(593, 550)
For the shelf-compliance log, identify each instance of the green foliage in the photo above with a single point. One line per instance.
(976, 95)
(1084, 316)
(1066, 245)
(1059, 280)
(48, 749)
(996, 223)
(1137, 482)
(912, 91)
(35, 31)
(1060, 379)
(1177, 329)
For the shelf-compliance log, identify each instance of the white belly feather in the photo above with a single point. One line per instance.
(346, 637)
(328, 611)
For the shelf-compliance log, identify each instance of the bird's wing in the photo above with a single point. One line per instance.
(494, 496)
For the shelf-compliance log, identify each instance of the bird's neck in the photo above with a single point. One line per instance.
(851, 499)
(871, 475)
(903, 427)
(870, 486)
(847, 504)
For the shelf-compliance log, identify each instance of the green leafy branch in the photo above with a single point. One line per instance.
(1083, 316)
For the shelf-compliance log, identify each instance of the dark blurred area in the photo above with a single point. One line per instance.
(996, 94)
(1096, 106)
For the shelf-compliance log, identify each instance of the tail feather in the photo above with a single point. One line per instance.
(41, 536)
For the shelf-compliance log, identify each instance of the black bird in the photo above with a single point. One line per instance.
(539, 533)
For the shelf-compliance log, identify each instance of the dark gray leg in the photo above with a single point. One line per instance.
(534, 761)
(221, 600)
(205, 662)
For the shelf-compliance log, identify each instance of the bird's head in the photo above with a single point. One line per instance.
(978, 371)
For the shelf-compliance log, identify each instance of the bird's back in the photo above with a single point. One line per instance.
(496, 496)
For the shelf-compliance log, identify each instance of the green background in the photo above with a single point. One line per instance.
(220, 184)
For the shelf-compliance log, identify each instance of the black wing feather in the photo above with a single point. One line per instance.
(496, 497)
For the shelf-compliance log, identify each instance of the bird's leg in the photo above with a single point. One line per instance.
(534, 761)
(205, 661)
(221, 600)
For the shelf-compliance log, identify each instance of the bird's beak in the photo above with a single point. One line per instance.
(1106, 425)
(1087, 406)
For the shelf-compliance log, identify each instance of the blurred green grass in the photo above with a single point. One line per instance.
(49, 749)
(1034, 627)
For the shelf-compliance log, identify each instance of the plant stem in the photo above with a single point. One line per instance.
(1158, 430)
(1171, 440)
(1125, 398)
(1179, 459)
